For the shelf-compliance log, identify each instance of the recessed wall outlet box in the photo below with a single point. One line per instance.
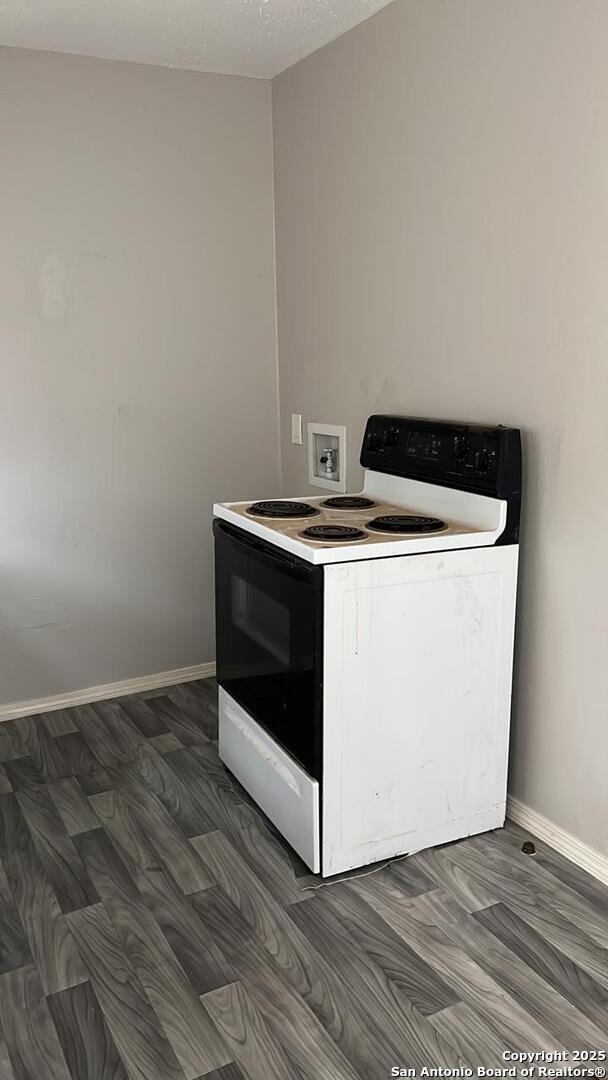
(327, 456)
(296, 428)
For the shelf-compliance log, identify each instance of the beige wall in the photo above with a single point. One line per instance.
(441, 178)
(137, 358)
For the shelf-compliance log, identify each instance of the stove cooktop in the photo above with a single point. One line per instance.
(324, 529)
(343, 519)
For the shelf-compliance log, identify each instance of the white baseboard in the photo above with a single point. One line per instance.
(108, 690)
(584, 856)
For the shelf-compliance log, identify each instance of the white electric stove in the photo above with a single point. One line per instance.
(365, 645)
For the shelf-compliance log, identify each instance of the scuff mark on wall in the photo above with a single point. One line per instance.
(52, 288)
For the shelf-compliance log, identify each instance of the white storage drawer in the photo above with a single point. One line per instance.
(280, 787)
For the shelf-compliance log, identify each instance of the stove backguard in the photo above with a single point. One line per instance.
(470, 457)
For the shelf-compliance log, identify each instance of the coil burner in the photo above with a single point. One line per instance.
(281, 508)
(348, 502)
(333, 534)
(405, 523)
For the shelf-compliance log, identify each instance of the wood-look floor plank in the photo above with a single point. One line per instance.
(58, 722)
(471, 982)
(166, 744)
(126, 830)
(227, 1072)
(147, 722)
(499, 878)
(200, 767)
(165, 835)
(225, 786)
(411, 875)
(244, 1031)
(5, 784)
(394, 1030)
(191, 943)
(194, 1040)
(33, 1046)
(304, 878)
(41, 748)
(62, 865)
(141, 1043)
(400, 965)
(271, 925)
(471, 1036)
(548, 889)
(293, 1024)
(73, 806)
(82, 764)
(201, 771)
(188, 729)
(124, 738)
(22, 773)
(182, 801)
(189, 937)
(11, 745)
(266, 855)
(539, 999)
(88, 1047)
(198, 710)
(6, 1068)
(105, 866)
(296, 960)
(14, 948)
(49, 938)
(203, 690)
(572, 982)
(592, 890)
(153, 692)
(442, 873)
(322, 987)
(95, 732)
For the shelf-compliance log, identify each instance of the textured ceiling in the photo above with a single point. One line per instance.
(235, 37)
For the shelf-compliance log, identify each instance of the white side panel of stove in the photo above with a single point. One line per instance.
(417, 698)
(286, 794)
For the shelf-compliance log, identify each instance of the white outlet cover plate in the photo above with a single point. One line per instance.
(339, 432)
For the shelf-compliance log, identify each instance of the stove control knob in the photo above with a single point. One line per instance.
(374, 442)
(390, 436)
(461, 447)
(482, 461)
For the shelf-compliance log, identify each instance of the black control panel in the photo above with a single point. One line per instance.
(471, 457)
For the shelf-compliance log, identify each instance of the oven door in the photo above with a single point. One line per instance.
(269, 627)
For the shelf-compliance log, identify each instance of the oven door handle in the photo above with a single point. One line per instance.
(265, 552)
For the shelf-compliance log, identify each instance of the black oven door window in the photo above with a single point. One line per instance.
(269, 630)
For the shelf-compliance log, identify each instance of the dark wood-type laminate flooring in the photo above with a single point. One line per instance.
(154, 926)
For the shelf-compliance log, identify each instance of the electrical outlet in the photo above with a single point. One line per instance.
(296, 428)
